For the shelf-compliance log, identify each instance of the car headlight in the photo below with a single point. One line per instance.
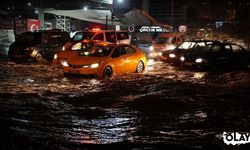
(182, 58)
(65, 63)
(96, 65)
(151, 48)
(172, 55)
(63, 48)
(199, 60)
(55, 56)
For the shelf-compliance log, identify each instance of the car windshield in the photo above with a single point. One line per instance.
(165, 40)
(83, 35)
(98, 51)
(186, 45)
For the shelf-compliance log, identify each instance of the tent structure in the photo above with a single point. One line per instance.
(91, 15)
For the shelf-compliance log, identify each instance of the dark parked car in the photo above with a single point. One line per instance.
(173, 56)
(217, 54)
(37, 46)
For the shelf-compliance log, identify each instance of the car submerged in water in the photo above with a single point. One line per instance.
(37, 46)
(172, 57)
(104, 60)
(217, 54)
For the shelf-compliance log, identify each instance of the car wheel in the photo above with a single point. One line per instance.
(39, 57)
(107, 73)
(140, 67)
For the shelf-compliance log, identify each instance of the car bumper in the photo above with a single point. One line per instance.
(81, 71)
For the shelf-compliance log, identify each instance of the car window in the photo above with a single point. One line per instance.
(97, 51)
(118, 52)
(55, 38)
(129, 50)
(201, 44)
(207, 48)
(161, 40)
(122, 35)
(83, 35)
(186, 45)
(78, 36)
(110, 37)
(216, 48)
(99, 37)
(236, 48)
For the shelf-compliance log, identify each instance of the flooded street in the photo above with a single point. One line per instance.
(164, 106)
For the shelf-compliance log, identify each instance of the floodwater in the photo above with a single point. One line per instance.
(160, 108)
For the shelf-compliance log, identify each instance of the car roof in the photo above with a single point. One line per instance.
(213, 41)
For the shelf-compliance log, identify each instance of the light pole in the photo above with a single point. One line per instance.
(13, 17)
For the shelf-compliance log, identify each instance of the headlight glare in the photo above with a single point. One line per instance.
(151, 48)
(198, 60)
(172, 55)
(65, 64)
(55, 56)
(94, 65)
(182, 58)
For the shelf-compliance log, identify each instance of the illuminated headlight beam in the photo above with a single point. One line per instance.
(96, 65)
(65, 64)
(199, 60)
(172, 55)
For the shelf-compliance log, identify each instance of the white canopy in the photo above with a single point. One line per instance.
(134, 17)
(91, 15)
(137, 17)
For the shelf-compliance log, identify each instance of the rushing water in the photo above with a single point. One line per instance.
(42, 109)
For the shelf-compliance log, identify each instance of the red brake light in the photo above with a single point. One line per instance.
(96, 29)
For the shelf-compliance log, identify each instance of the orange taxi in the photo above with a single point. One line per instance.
(105, 60)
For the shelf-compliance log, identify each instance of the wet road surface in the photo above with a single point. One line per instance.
(160, 108)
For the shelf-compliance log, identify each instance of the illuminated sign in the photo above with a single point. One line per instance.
(147, 29)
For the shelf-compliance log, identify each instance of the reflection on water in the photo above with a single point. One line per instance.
(199, 75)
(162, 106)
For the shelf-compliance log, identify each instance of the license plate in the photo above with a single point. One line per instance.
(74, 71)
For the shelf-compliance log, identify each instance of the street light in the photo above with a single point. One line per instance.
(119, 1)
(29, 4)
(85, 8)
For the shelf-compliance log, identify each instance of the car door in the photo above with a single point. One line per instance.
(118, 60)
(131, 59)
(223, 54)
(240, 55)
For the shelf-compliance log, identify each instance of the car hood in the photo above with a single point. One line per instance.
(66, 54)
(82, 60)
